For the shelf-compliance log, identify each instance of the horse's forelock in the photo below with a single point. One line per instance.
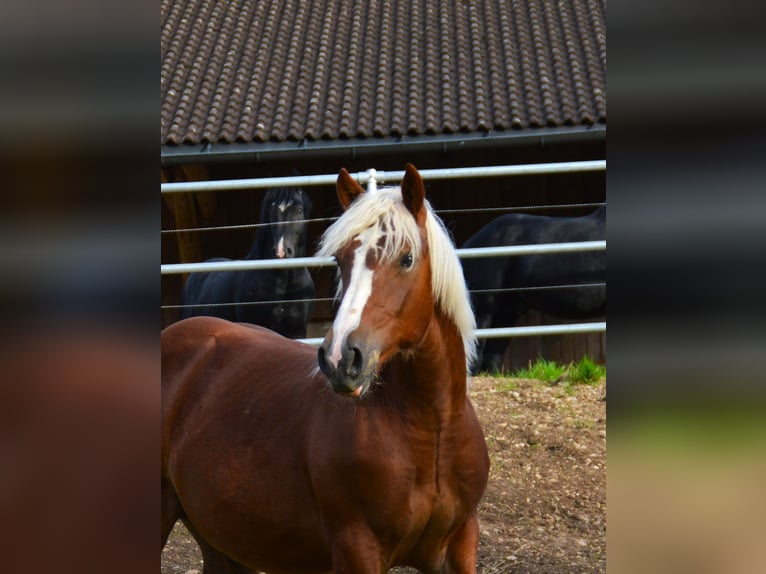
(287, 194)
(385, 211)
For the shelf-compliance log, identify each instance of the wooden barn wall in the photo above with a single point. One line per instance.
(242, 207)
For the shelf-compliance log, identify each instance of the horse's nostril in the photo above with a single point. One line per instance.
(354, 368)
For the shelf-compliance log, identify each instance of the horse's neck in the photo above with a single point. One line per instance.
(433, 379)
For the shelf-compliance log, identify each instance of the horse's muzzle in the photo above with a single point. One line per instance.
(283, 250)
(353, 373)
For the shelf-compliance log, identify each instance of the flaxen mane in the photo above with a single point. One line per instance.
(385, 211)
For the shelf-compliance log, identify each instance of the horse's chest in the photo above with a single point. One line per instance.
(431, 511)
(432, 496)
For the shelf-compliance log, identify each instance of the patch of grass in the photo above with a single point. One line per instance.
(586, 372)
(541, 370)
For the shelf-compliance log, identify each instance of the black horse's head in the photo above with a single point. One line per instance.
(286, 209)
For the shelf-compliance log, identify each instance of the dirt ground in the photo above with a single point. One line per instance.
(544, 510)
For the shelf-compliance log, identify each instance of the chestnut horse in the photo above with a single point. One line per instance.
(370, 459)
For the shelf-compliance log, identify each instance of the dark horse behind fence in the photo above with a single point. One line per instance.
(363, 456)
(280, 299)
(503, 309)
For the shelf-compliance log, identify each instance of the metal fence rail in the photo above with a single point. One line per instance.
(249, 265)
(380, 177)
(532, 331)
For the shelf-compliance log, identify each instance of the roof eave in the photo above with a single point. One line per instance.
(307, 149)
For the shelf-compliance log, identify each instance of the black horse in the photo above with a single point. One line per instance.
(503, 309)
(279, 299)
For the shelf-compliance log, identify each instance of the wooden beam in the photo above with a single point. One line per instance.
(205, 199)
(184, 209)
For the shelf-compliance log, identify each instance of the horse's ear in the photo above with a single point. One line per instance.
(348, 188)
(414, 193)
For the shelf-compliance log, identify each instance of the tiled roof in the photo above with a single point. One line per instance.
(267, 70)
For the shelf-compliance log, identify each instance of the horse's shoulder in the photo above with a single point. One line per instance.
(196, 330)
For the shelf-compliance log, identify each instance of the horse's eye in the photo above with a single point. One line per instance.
(406, 261)
(299, 211)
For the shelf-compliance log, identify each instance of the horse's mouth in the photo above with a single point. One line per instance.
(351, 388)
(349, 378)
(356, 393)
(353, 372)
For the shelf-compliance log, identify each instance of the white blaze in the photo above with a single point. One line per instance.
(281, 247)
(351, 307)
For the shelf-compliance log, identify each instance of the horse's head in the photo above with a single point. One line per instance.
(287, 209)
(382, 247)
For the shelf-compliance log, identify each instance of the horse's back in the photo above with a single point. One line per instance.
(522, 228)
(241, 398)
(192, 345)
(185, 342)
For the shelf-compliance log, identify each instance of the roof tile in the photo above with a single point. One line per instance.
(291, 70)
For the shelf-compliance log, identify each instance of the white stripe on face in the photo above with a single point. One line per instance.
(358, 292)
(281, 247)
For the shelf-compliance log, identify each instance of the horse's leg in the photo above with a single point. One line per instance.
(213, 561)
(171, 510)
(462, 549)
(484, 309)
(494, 350)
(216, 563)
(357, 551)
